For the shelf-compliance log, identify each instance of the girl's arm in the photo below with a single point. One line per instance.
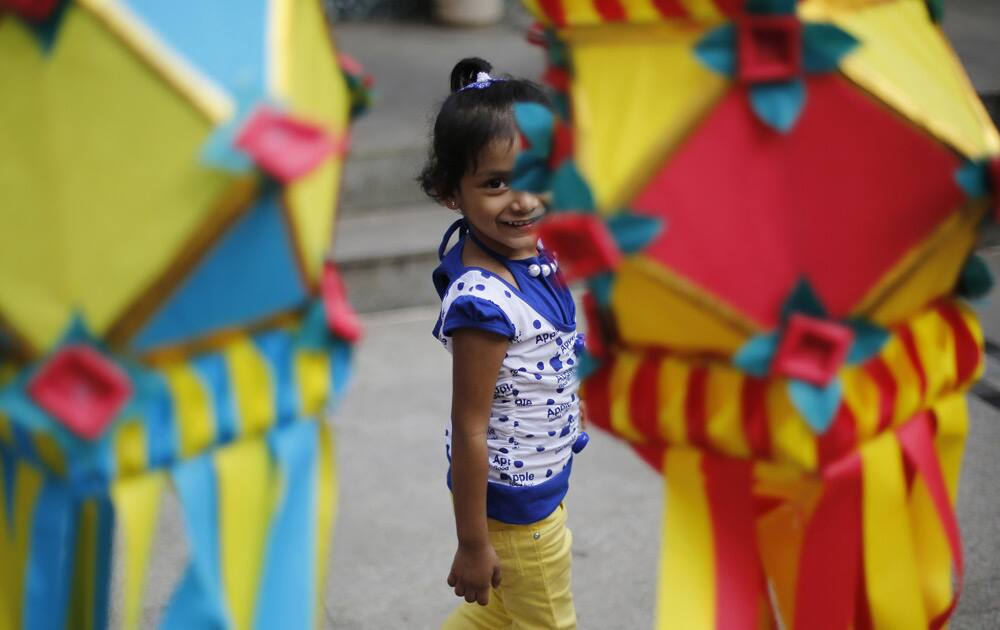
(476, 359)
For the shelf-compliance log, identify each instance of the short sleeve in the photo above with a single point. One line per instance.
(474, 312)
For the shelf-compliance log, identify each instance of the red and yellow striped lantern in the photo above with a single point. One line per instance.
(791, 192)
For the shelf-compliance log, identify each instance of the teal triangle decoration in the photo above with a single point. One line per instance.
(803, 300)
(869, 340)
(586, 365)
(314, 332)
(936, 10)
(771, 7)
(778, 105)
(536, 123)
(633, 232)
(818, 405)
(569, 190)
(531, 173)
(824, 45)
(557, 53)
(47, 31)
(975, 280)
(717, 50)
(531, 169)
(601, 286)
(755, 356)
(560, 101)
(974, 179)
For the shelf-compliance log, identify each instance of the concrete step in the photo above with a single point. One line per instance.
(386, 256)
(383, 180)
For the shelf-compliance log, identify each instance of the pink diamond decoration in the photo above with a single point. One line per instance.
(31, 10)
(812, 350)
(81, 389)
(582, 243)
(285, 147)
(340, 317)
(770, 48)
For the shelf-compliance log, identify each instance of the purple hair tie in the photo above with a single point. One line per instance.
(483, 80)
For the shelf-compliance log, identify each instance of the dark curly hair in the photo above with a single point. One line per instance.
(470, 120)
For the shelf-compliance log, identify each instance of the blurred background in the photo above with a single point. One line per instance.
(395, 536)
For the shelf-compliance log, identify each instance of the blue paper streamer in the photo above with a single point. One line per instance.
(102, 569)
(276, 346)
(8, 475)
(198, 601)
(287, 596)
(50, 561)
(212, 371)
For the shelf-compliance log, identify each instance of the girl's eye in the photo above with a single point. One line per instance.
(496, 183)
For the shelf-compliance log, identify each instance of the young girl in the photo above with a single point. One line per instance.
(509, 322)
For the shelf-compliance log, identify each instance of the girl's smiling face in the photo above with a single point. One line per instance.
(504, 219)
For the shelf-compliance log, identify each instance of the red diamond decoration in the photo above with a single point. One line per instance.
(812, 350)
(81, 389)
(995, 177)
(285, 147)
(582, 244)
(841, 200)
(770, 48)
(562, 145)
(340, 316)
(31, 10)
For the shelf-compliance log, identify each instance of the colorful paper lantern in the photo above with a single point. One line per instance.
(168, 320)
(795, 190)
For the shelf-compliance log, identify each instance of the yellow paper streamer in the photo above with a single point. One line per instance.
(247, 494)
(687, 552)
(137, 507)
(890, 565)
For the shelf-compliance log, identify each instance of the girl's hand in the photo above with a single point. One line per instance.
(473, 570)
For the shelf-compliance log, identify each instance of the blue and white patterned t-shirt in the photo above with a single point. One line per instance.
(534, 419)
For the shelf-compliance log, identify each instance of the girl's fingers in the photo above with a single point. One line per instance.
(451, 578)
(470, 596)
(496, 577)
(484, 597)
(460, 590)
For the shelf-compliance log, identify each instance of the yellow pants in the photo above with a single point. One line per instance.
(534, 588)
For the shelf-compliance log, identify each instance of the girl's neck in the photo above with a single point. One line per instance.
(492, 247)
(474, 256)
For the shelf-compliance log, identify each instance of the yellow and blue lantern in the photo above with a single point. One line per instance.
(169, 322)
